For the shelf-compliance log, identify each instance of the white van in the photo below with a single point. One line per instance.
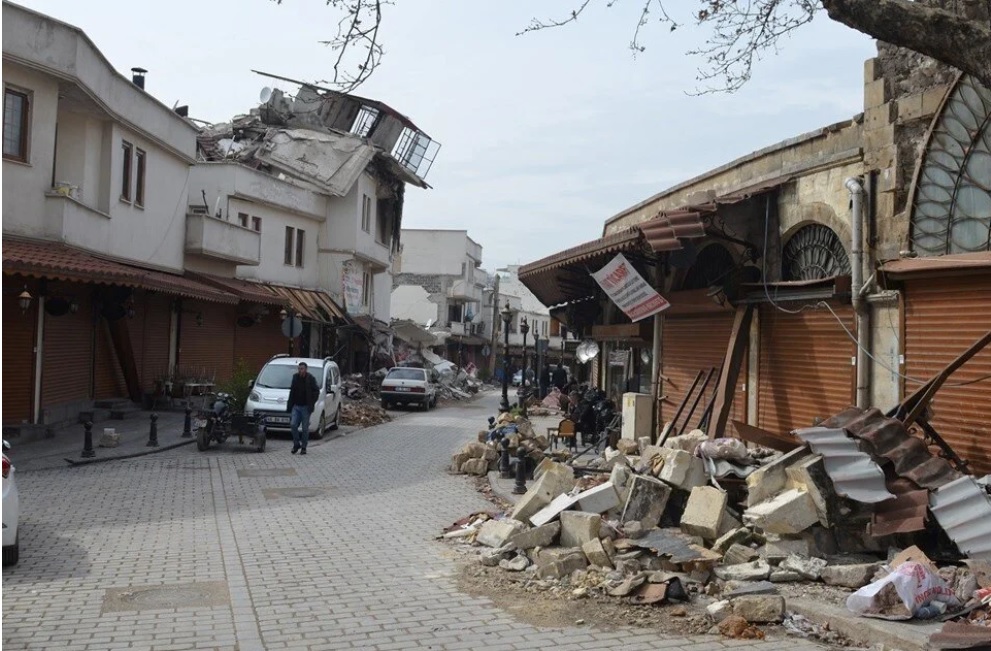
(270, 392)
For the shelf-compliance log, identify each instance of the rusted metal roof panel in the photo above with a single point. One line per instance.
(962, 508)
(246, 290)
(183, 286)
(936, 265)
(854, 474)
(906, 513)
(888, 438)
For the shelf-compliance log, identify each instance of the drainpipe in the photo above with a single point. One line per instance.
(856, 190)
(38, 359)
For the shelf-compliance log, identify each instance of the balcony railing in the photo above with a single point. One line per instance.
(222, 240)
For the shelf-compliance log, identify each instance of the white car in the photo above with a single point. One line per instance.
(409, 385)
(11, 508)
(270, 393)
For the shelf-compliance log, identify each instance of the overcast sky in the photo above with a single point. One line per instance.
(544, 136)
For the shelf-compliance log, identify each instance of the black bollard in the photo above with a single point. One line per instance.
(187, 423)
(88, 450)
(505, 468)
(153, 432)
(520, 487)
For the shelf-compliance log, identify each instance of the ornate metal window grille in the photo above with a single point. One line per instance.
(814, 252)
(951, 210)
(712, 266)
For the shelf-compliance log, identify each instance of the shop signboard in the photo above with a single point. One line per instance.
(628, 290)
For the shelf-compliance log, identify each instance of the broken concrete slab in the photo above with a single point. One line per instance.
(542, 536)
(686, 442)
(850, 576)
(740, 589)
(728, 523)
(771, 478)
(784, 576)
(643, 443)
(646, 501)
(737, 554)
(555, 480)
(495, 533)
(679, 468)
(719, 610)
(477, 467)
(779, 548)
(627, 446)
(596, 553)
(752, 571)
(810, 475)
(598, 499)
(620, 476)
(740, 535)
(760, 609)
(704, 512)
(810, 568)
(492, 557)
(551, 512)
(577, 528)
(517, 564)
(559, 562)
(790, 512)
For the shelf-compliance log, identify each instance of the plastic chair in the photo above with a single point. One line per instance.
(564, 430)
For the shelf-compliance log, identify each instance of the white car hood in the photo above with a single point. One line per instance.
(273, 397)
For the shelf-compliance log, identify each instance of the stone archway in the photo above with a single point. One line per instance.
(814, 252)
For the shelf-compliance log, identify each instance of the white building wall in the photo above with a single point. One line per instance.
(433, 252)
(272, 267)
(412, 302)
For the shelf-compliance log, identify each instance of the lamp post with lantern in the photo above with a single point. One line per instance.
(507, 317)
(524, 329)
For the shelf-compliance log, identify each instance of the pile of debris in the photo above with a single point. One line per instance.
(722, 525)
(363, 414)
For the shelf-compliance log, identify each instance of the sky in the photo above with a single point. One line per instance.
(544, 136)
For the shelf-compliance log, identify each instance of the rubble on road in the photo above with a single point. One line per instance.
(732, 526)
(363, 414)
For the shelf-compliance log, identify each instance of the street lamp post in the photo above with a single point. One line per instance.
(507, 316)
(524, 329)
(536, 362)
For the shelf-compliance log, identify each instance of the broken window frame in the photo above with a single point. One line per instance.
(382, 228)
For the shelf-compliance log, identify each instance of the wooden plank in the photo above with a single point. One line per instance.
(735, 350)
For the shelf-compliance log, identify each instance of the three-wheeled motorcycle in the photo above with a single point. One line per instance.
(220, 422)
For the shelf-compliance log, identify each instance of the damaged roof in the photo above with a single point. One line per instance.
(854, 473)
(963, 510)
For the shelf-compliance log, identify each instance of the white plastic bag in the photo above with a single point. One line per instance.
(901, 594)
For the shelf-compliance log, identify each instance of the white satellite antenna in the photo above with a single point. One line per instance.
(265, 94)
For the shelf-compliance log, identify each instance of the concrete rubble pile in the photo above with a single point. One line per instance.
(363, 414)
(726, 526)
(480, 456)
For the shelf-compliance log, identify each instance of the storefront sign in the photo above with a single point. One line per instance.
(351, 279)
(628, 290)
(619, 357)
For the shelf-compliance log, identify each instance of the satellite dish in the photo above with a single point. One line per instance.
(265, 94)
(645, 356)
(587, 351)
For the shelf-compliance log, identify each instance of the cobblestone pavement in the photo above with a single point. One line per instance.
(230, 549)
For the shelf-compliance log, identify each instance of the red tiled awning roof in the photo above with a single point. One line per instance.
(313, 304)
(246, 290)
(57, 261)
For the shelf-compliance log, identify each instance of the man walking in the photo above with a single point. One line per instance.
(560, 377)
(545, 381)
(303, 394)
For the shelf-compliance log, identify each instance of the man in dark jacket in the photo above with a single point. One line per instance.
(560, 377)
(303, 393)
(545, 381)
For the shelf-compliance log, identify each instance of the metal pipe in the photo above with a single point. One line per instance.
(856, 190)
(39, 359)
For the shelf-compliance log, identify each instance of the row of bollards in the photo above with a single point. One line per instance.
(89, 451)
(505, 466)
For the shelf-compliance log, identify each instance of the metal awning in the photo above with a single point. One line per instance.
(565, 277)
(57, 261)
(942, 265)
(312, 304)
(246, 290)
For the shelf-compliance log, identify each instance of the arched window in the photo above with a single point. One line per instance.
(951, 210)
(711, 266)
(814, 252)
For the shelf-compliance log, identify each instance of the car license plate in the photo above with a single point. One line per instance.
(402, 388)
(277, 420)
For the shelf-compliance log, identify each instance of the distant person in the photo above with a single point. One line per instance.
(545, 381)
(303, 393)
(560, 377)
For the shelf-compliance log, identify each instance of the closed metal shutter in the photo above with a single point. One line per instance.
(692, 344)
(257, 343)
(149, 331)
(206, 350)
(109, 376)
(806, 369)
(67, 365)
(942, 318)
(18, 357)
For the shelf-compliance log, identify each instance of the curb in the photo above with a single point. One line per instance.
(502, 492)
(162, 448)
(902, 635)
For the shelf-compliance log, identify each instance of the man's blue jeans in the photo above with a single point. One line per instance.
(300, 417)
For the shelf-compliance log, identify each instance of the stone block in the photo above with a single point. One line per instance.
(728, 523)
(738, 554)
(559, 562)
(785, 576)
(686, 442)
(704, 512)
(542, 536)
(596, 553)
(932, 99)
(790, 512)
(910, 108)
(646, 501)
(599, 499)
(458, 461)
(643, 442)
(551, 512)
(681, 469)
(543, 466)
(810, 475)
(877, 117)
(760, 609)
(810, 568)
(739, 535)
(752, 571)
(517, 564)
(778, 548)
(620, 476)
(719, 610)
(478, 467)
(771, 478)
(627, 446)
(577, 528)
(474, 449)
(109, 439)
(554, 481)
(495, 533)
(875, 94)
(850, 576)
(492, 557)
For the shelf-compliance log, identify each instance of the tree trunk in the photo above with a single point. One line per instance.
(957, 40)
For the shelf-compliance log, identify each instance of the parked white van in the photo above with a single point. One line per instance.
(270, 393)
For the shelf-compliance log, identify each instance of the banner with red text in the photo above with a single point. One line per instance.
(628, 290)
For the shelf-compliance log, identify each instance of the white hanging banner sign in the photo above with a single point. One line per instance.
(352, 281)
(628, 290)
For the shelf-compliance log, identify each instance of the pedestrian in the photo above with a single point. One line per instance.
(302, 399)
(560, 377)
(545, 381)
